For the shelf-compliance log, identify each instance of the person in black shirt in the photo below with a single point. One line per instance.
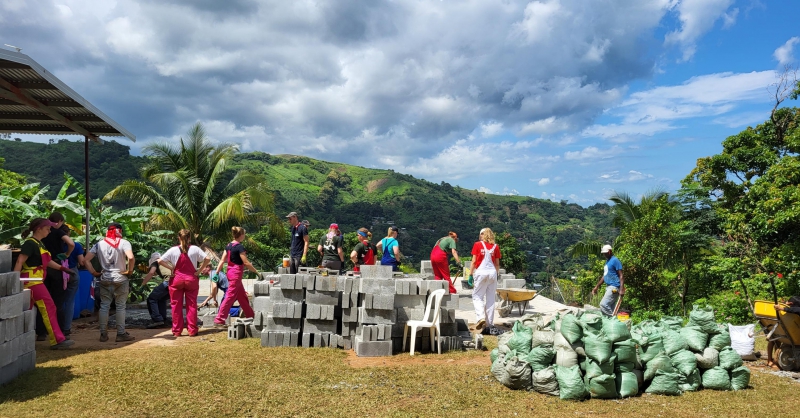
(54, 282)
(298, 249)
(158, 298)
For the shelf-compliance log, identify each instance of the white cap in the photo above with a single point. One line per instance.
(606, 248)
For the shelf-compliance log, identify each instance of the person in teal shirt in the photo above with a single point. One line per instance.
(391, 249)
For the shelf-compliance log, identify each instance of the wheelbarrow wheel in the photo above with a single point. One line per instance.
(788, 360)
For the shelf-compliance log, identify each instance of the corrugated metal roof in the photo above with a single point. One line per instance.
(34, 101)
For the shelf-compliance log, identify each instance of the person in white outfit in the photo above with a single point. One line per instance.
(485, 266)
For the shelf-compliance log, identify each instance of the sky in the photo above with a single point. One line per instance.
(556, 99)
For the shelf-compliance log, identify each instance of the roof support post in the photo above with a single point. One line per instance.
(86, 187)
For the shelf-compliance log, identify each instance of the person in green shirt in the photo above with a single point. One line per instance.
(439, 259)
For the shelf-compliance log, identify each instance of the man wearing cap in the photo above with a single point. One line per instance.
(615, 283)
(116, 260)
(330, 248)
(298, 249)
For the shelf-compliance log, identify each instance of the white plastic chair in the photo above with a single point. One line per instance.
(436, 300)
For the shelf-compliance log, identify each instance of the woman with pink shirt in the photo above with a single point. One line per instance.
(236, 257)
(184, 282)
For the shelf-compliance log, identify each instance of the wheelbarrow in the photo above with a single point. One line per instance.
(514, 297)
(782, 329)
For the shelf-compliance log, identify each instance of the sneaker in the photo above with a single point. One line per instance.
(41, 337)
(493, 330)
(125, 337)
(103, 337)
(479, 326)
(159, 324)
(62, 345)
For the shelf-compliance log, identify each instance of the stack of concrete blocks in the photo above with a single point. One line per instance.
(17, 323)
(509, 281)
(376, 310)
(281, 316)
(320, 324)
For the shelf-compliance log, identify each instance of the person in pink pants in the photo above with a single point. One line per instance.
(184, 283)
(236, 257)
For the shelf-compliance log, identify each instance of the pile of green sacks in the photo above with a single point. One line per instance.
(576, 356)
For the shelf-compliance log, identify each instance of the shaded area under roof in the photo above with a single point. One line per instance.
(34, 101)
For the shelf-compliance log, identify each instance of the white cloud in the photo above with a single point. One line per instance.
(592, 154)
(784, 54)
(543, 181)
(698, 17)
(491, 129)
(630, 176)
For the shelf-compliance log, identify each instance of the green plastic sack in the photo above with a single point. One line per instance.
(720, 341)
(565, 354)
(691, 383)
(603, 387)
(665, 383)
(598, 348)
(540, 357)
(493, 354)
(703, 318)
(521, 340)
(674, 323)
(684, 361)
(542, 337)
(627, 384)
(651, 349)
(620, 367)
(696, 339)
(570, 383)
(594, 369)
(717, 379)
(533, 321)
(512, 371)
(591, 323)
(626, 351)
(673, 342)
(544, 381)
(740, 378)
(729, 359)
(502, 340)
(709, 358)
(571, 328)
(661, 362)
(615, 331)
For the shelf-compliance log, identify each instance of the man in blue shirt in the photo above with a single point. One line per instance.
(299, 246)
(615, 283)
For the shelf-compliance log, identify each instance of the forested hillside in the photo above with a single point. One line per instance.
(325, 192)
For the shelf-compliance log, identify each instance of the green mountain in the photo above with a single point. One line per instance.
(326, 192)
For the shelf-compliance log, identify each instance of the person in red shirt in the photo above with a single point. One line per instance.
(485, 266)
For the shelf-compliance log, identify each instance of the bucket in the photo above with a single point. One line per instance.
(286, 260)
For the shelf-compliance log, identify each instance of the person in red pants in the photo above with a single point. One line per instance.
(32, 265)
(236, 257)
(439, 261)
(184, 282)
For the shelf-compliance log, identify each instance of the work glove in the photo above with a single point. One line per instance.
(303, 260)
(61, 257)
(471, 281)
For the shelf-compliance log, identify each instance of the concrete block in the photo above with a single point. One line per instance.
(321, 297)
(9, 372)
(465, 303)
(325, 339)
(349, 300)
(407, 314)
(254, 331)
(11, 306)
(306, 340)
(5, 261)
(513, 283)
(372, 348)
(272, 323)
(350, 314)
(278, 338)
(501, 271)
(261, 288)
(280, 294)
(451, 301)
(344, 284)
(365, 333)
(26, 299)
(462, 325)
(293, 339)
(376, 272)
(376, 316)
(236, 332)
(9, 283)
(425, 267)
(449, 330)
(398, 287)
(383, 302)
(366, 301)
(382, 334)
(283, 270)
(299, 282)
(316, 340)
(28, 361)
(433, 285)
(269, 277)
(312, 311)
(287, 310)
(243, 321)
(422, 287)
(262, 304)
(325, 283)
(329, 312)
(347, 342)
(308, 280)
(410, 301)
(264, 338)
(27, 342)
(447, 316)
(376, 286)
(287, 281)
(318, 326)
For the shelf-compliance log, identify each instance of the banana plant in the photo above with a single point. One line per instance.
(18, 206)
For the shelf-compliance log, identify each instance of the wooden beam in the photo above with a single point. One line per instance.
(11, 92)
(50, 103)
(14, 65)
(33, 128)
(31, 116)
(34, 85)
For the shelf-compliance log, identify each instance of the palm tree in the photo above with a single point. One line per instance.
(186, 181)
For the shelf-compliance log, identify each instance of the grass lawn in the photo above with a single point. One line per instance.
(201, 377)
